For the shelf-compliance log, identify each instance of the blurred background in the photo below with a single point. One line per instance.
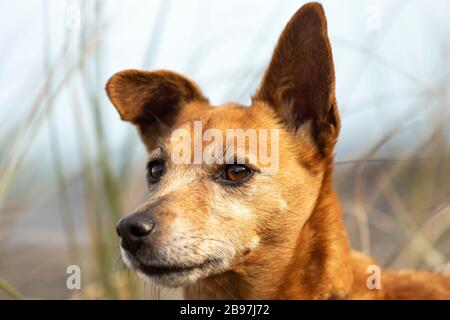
(69, 168)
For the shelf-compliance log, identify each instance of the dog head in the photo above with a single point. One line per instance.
(217, 203)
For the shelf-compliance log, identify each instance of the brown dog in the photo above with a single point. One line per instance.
(230, 229)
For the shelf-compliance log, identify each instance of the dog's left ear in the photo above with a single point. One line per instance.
(299, 82)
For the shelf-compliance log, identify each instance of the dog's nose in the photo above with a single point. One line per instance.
(134, 230)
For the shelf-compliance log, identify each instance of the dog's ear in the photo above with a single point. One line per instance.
(299, 82)
(151, 100)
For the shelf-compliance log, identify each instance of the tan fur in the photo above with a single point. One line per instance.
(279, 236)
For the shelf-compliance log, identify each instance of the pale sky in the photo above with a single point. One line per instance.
(391, 58)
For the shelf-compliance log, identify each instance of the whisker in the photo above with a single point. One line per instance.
(226, 289)
(119, 264)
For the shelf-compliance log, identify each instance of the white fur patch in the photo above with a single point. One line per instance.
(283, 204)
(240, 210)
(254, 243)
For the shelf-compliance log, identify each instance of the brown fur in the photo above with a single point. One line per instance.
(284, 235)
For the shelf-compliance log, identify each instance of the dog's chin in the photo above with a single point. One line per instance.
(175, 275)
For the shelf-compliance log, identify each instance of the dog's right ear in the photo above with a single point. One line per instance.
(151, 99)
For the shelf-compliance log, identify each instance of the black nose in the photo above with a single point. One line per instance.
(134, 230)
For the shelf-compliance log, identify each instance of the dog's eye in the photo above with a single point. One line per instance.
(236, 172)
(155, 170)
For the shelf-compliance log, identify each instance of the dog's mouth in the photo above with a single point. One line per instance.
(152, 270)
(174, 273)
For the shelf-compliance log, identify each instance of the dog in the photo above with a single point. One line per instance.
(227, 228)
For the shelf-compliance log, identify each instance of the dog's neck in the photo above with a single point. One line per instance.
(317, 268)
